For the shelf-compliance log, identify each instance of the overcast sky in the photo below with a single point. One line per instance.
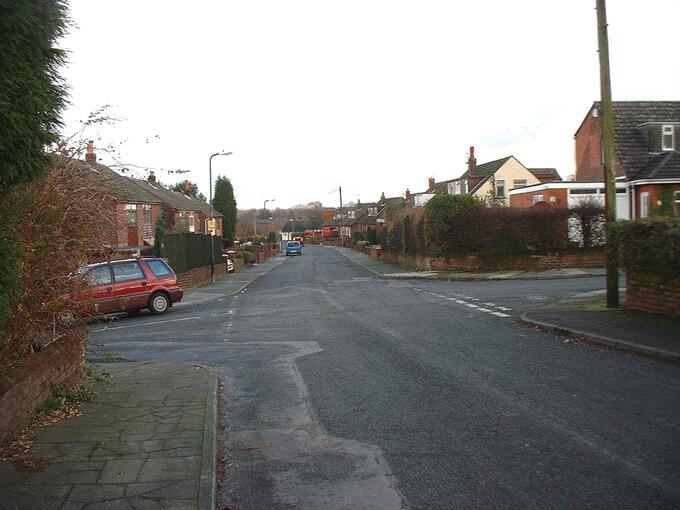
(370, 95)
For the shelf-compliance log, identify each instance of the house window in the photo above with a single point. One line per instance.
(537, 198)
(192, 227)
(677, 203)
(131, 214)
(500, 189)
(147, 214)
(644, 204)
(519, 183)
(372, 211)
(667, 138)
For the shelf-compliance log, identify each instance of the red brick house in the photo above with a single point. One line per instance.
(647, 160)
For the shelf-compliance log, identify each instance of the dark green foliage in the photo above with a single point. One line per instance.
(32, 94)
(189, 251)
(372, 236)
(271, 237)
(358, 236)
(9, 272)
(667, 199)
(440, 227)
(224, 202)
(159, 232)
(650, 245)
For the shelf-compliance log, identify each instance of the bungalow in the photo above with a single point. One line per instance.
(134, 209)
(647, 161)
(491, 181)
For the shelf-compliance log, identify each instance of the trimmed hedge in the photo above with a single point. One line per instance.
(650, 245)
(189, 251)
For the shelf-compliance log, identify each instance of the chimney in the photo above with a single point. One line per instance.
(152, 177)
(408, 195)
(90, 156)
(430, 185)
(382, 197)
(187, 187)
(472, 162)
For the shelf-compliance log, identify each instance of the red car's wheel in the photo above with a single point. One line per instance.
(159, 303)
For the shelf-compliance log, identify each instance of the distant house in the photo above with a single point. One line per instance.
(134, 209)
(420, 199)
(182, 211)
(647, 161)
(493, 180)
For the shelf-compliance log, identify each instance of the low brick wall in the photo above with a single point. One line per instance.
(480, 262)
(200, 275)
(29, 384)
(653, 293)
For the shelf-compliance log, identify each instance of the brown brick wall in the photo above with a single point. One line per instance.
(28, 385)
(200, 275)
(475, 262)
(588, 150)
(653, 293)
(526, 199)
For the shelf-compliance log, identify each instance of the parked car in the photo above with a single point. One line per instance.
(129, 286)
(293, 248)
(299, 239)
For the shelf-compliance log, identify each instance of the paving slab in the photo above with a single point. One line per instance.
(146, 440)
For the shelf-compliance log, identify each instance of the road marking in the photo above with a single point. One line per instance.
(483, 309)
(500, 314)
(145, 324)
(471, 305)
(489, 304)
(504, 308)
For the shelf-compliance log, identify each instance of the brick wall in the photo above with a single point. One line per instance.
(200, 275)
(476, 262)
(559, 196)
(28, 385)
(653, 293)
(588, 147)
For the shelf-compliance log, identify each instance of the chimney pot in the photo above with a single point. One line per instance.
(90, 156)
(472, 162)
(152, 177)
(430, 184)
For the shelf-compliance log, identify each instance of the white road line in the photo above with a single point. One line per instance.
(146, 324)
(460, 302)
(504, 308)
(483, 309)
(499, 314)
(471, 305)
(489, 304)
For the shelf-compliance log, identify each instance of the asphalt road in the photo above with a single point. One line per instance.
(348, 391)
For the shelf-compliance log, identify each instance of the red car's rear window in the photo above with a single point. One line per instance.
(159, 268)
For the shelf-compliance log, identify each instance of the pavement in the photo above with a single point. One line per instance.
(384, 269)
(230, 284)
(586, 316)
(583, 315)
(146, 440)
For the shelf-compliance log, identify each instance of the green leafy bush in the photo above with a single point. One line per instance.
(372, 236)
(358, 236)
(650, 245)
(440, 227)
(248, 256)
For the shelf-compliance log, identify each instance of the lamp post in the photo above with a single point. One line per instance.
(211, 219)
(264, 207)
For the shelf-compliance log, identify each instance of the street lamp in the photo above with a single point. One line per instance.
(211, 219)
(264, 207)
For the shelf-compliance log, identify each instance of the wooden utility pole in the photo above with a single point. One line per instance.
(609, 156)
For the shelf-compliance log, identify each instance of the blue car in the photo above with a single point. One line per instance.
(293, 248)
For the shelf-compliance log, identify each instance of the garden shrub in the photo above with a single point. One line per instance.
(57, 222)
(372, 236)
(650, 245)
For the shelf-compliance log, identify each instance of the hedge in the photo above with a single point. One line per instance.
(650, 245)
(188, 251)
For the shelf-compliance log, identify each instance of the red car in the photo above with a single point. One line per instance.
(130, 286)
